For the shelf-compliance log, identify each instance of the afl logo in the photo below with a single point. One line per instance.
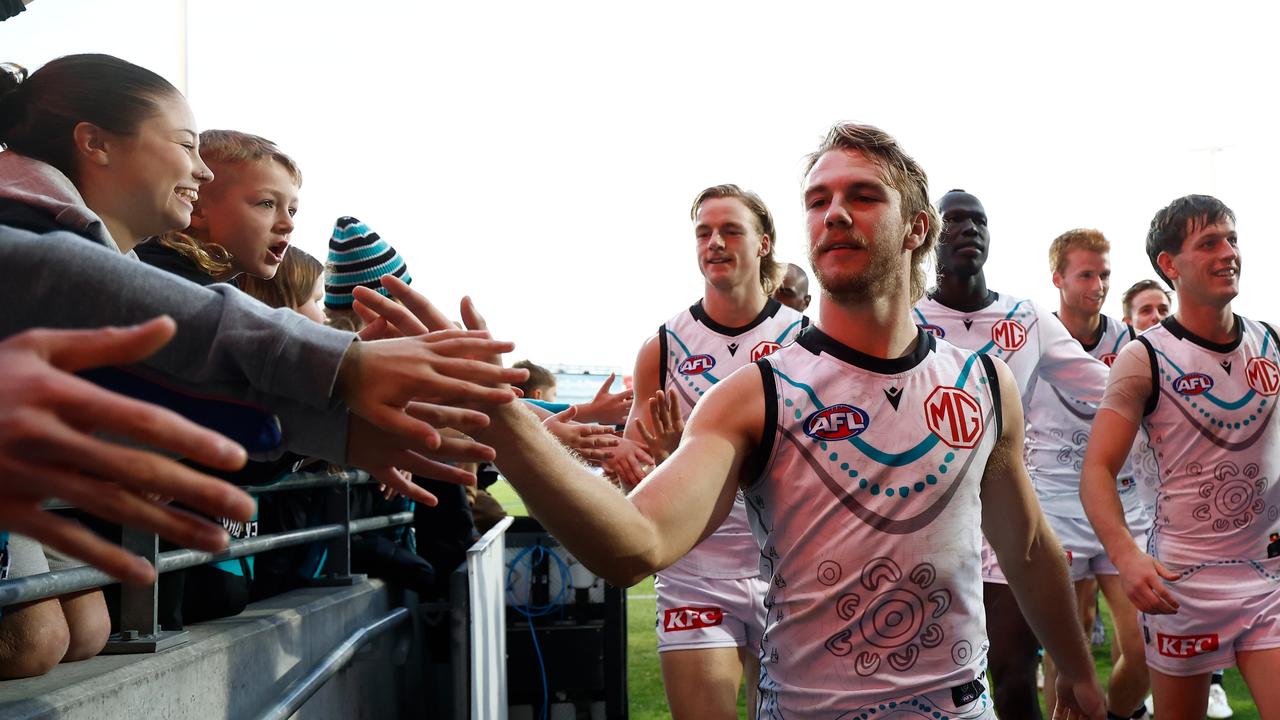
(1263, 375)
(934, 330)
(1109, 359)
(697, 364)
(1193, 383)
(954, 416)
(764, 349)
(837, 422)
(1009, 335)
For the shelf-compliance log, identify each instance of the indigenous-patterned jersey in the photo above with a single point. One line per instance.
(1015, 331)
(697, 352)
(866, 509)
(1058, 433)
(1210, 420)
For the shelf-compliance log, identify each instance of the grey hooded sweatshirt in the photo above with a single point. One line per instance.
(60, 268)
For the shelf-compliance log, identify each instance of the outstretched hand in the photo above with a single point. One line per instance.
(628, 465)
(606, 407)
(667, 428)
(593, 443)
(48, 448)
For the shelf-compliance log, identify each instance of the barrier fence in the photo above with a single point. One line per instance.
(476, 608)
(139, 627)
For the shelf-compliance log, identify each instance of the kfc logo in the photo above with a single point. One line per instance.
(764, 349)
(1186, 646)
(691, 618)
(954, 416)
(1263, 376)
(1009, 335)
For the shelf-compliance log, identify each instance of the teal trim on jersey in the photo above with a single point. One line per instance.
(986, 349)
(873, 453)
(712, 378)
(788, 330)
(1121, 339)
(1236, 405)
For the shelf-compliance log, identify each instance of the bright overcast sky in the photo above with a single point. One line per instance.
(542, 156)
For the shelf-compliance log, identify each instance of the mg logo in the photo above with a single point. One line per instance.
(697, 364)
(954, 416)
(764, 349)
(837, 422)
(1185, 646)
(1193, 383)
(691, 618)
(934, 330)
(1109, 359)
(1263, 375)
(1009, 335)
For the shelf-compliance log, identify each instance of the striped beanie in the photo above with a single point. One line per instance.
(358, 256)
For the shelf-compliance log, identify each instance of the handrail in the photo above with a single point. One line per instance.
(303, 688)
(59, 582)
(292, 481)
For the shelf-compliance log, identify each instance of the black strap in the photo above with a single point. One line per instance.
(1132, 333)
(1154, 397)
(804, 321)
(754, 469)
(993, 380)
(662, 357)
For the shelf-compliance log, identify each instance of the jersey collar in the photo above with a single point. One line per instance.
(818, 342)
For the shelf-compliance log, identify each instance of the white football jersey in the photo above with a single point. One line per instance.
(867, 513)
(1034, 345)
(697, 352)
(1210, 420)
(1058, 433)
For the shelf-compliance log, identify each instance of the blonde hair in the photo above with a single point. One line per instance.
(292, 285)
(226, 147)
(1078, 239)
(769, 270)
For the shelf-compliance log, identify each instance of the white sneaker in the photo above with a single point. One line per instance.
(1218, 705)
(1150, 705)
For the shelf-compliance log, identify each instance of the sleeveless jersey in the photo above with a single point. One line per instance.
(1058, 433)
(697, 352)
(867, 513)
(1015, 331)
(1210, 420)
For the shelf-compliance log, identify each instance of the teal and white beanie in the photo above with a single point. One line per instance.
(358, 256)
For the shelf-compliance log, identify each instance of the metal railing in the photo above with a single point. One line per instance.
(301, 690)
(478, 631)
(139, 626)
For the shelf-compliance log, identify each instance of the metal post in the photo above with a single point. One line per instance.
(139, 625)
(338, 509)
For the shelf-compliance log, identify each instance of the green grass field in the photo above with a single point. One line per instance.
(644, 678)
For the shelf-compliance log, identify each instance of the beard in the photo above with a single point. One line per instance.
(881, 276)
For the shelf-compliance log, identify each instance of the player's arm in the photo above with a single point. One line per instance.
(1112, 436)
(644, 380)
(1065, 365)
(1031, 558)
(624, 539)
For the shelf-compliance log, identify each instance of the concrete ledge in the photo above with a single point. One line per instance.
(234, 668)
